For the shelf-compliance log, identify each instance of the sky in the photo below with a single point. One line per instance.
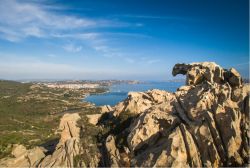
(120, 39)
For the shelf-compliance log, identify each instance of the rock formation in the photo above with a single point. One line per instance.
(23, 157)
(138, 102)
(68, 146)
(105, 109)
(112, 152)
(207, 71)
(94, 118)
(203, 124)
(66, 149)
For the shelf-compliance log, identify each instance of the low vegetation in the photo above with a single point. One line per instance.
(30, 113)
(90, 144)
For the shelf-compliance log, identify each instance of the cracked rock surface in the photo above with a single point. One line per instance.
(205, 123)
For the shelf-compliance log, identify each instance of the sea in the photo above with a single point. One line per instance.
(119, 92)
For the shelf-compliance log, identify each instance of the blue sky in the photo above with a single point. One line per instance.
(119, 39)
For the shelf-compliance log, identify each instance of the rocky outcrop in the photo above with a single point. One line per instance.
(105, 109)
(138, 102)
(205, 123)
(112, 152)
(209, 72)
(68, 146)
(93, 118)
(23, 157)
(63, 156)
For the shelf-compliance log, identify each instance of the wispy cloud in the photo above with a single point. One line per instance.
(72, 48)
(22, 19)
(19, 20)
(133, 35)
(79, 36)
(152, 17)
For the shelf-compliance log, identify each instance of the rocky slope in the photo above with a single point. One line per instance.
(203, 124)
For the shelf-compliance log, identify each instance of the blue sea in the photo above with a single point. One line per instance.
(119, 92)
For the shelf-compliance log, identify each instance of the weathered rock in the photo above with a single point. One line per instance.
(149, 126)
(68, 146)
(138, 102)
(18, 150)
(205, 123)
(233, 77)
(23, 157)
(112, 152)
(94, 118)
(106, 109)
(170, 151)
(209, 72)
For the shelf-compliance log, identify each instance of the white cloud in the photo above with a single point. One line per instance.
(22, 19)
(72, 48)
(33, 31)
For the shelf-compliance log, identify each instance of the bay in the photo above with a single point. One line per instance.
(119, 92)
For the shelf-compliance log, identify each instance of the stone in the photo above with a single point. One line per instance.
(94, 118)
(18, 150)
(209, 72)
(105, 109)
(112, 152)
(204, 123)
(23, 157)
(150, 125)
(234, 77)
(138, 102)
(35, 155)
(68, 146)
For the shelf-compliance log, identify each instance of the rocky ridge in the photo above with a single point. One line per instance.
(203, 124)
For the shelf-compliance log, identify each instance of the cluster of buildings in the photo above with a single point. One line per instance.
(72, 86)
